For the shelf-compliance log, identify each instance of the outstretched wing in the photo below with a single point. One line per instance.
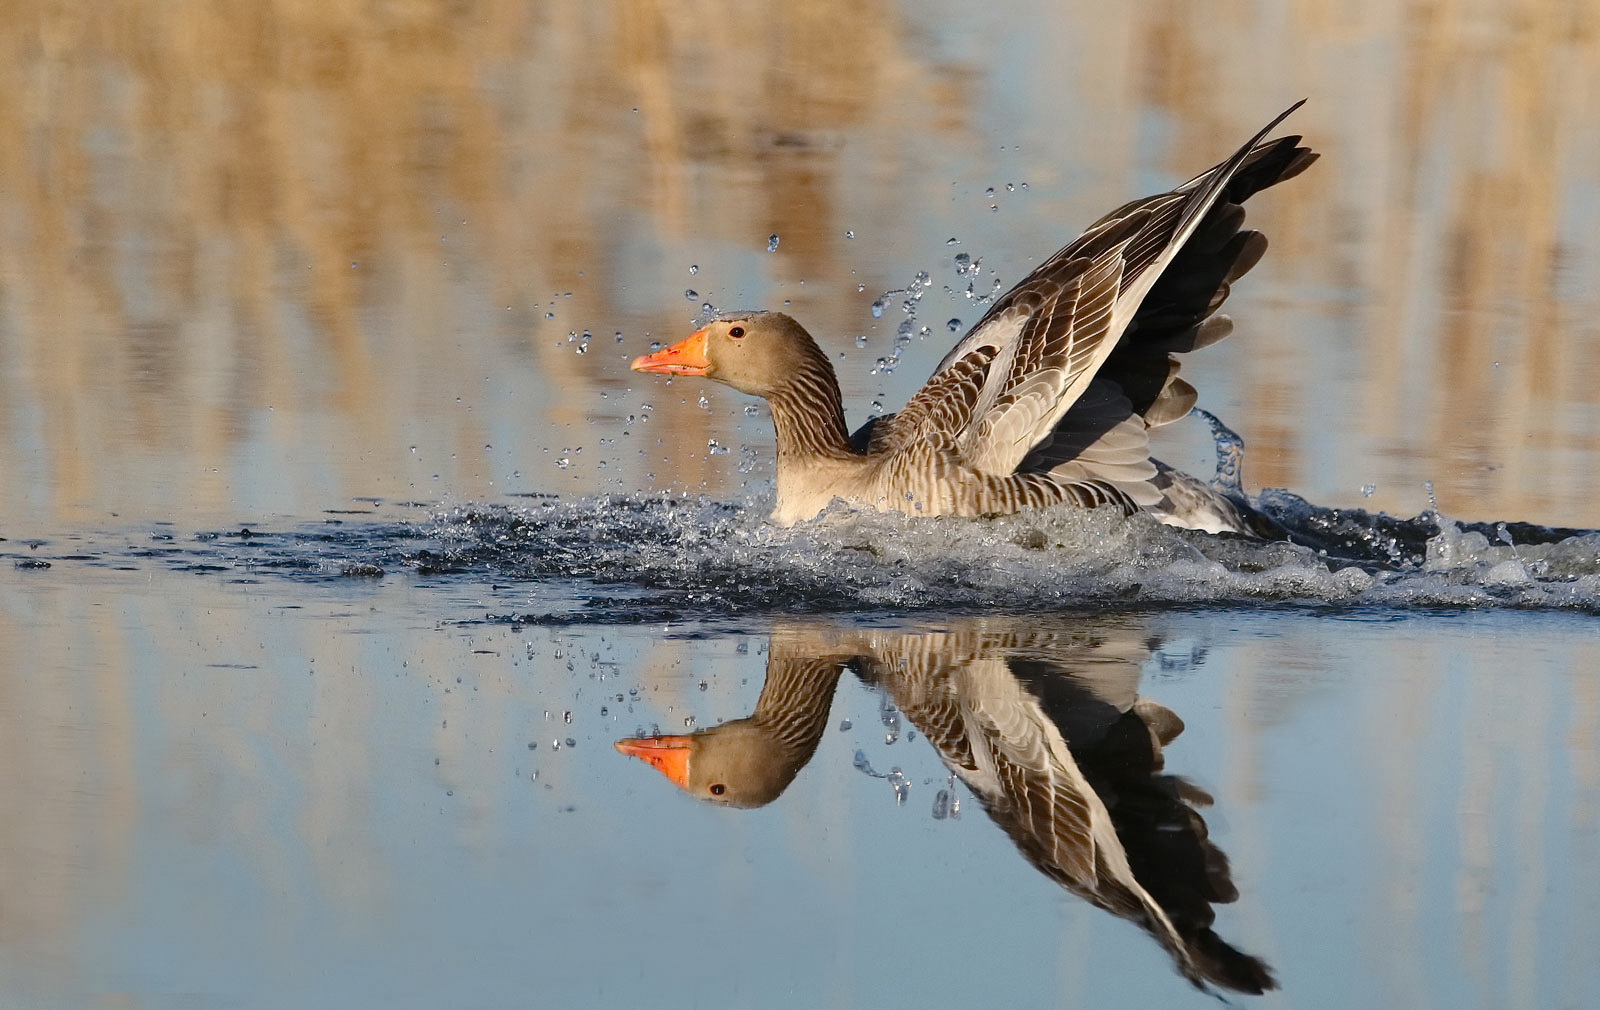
(1011, 380)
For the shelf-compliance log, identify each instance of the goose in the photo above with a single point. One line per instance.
(1041, 718)
(1049, 397)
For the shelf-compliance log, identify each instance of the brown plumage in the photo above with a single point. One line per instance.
(1049, 397)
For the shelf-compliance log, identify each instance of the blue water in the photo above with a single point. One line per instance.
(329, 790)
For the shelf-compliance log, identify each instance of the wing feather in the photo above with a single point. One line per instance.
(1004, 387)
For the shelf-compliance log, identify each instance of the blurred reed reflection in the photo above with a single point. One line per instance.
(1041, 718)
(275, 255)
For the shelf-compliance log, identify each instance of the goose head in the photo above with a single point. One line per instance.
(758, 353)
(737, 764)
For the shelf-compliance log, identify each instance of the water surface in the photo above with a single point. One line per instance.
(326, 496)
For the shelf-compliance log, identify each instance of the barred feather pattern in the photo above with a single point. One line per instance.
(794, 702)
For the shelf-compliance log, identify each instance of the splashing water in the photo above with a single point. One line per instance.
(647, 558)
(894, 776)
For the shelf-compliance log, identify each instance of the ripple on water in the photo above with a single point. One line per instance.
(639, 558)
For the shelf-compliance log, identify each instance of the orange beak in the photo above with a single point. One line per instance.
(686, 357)
(668, 755)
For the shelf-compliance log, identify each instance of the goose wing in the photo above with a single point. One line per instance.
(1012, 379)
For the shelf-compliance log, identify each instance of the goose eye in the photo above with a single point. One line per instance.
(736, 332)
(719, 788)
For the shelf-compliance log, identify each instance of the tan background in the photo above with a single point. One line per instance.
(268, 257)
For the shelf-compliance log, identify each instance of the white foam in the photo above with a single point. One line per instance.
(721, 558)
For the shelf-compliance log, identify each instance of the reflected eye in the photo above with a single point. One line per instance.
(736, 332)
(719, 788)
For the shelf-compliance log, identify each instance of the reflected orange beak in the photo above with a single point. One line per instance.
(686, 357)
(668, 755)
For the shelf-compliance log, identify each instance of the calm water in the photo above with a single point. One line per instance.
(340, 545)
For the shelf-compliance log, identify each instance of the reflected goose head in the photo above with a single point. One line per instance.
(737, 764)
(754, 352)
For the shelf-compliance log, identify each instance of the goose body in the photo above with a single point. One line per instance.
(1049, 397)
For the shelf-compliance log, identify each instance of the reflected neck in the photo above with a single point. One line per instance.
(794, 703)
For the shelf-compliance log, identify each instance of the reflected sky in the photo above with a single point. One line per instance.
(327, 798)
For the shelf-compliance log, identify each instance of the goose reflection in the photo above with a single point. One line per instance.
(1043, 722)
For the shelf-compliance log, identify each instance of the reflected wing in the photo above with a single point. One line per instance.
(1016, 712)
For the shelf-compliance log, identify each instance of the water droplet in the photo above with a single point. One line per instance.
(772, 242)
(690, 294)
(861, 287)
(861, 340)
(989, 192)
(963, 263)
(849, 234)
(902, 785)
(705, 404)
(890, 717)
(1367, 490)
(1011, 187)
(688, 722)
(751, 410)
(567, 718)
(715, 448)
(533, 745)
(694, 268)
(878, 307)
(952, 241)
(954, 325)
(549, 315)
(571, 742)
(844, 725)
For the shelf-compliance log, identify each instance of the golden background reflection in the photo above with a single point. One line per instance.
(273, 256)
